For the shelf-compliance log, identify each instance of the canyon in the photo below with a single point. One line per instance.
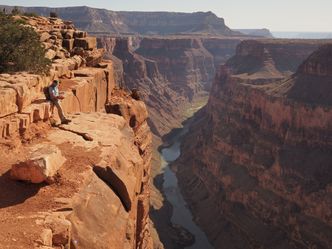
(262, 147)
(186, 66)
(172, 72)
(253, 167)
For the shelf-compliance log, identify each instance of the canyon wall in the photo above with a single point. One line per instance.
(273, 59)
(171, 72)
(256, 167)
(168, 72)
(79, 185)
(134, 22)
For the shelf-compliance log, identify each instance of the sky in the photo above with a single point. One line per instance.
(276, 15)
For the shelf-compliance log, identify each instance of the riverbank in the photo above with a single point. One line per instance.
(163, 205)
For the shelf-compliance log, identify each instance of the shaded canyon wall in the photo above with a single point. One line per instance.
(260, 175)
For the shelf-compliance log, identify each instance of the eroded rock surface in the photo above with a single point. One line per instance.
(97, 168)
(260, 175)
(42, 165)
(131, 22)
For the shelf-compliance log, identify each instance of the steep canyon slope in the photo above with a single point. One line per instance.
(169, 72)
(84, 184)
(256, 168)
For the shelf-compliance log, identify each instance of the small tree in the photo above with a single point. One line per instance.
(16, 11)
(53, 14)
(20, 48)
(30, 14)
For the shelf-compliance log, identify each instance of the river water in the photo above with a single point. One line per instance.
(181, 213)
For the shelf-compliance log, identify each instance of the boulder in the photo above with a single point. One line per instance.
(50, 54)
(43, 164)
(7, 101)
(61, 230)
(134, 111)
(94, 57)
(86, 43)
(44, 37)
(60, 55)
(46, 237)
(80, 34)
(68, 44)
(69, 34)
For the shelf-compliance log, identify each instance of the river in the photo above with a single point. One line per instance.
(181, 213)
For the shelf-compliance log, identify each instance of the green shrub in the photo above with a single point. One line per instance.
(20, 48)
(53, 14)
(30, 14)
(16, 11)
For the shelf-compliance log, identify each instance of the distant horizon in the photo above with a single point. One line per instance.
(239, 14)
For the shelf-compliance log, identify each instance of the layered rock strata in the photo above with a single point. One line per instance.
(97, 167)
(273, 59)
(134, 22)
(168, 72)
(256, 32)
(184, 62)
(256, 166)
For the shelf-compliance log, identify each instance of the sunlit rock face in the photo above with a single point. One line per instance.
(256, 165)
(85, 184)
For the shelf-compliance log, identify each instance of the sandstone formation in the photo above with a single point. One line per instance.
(105, 179)
(221, 48)
(260, 175)
(43, 164)
(184, 62)
(168, 73)
(273, 59)
(97, 168)
(131, 22)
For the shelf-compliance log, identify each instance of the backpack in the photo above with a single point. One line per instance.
(47, 93)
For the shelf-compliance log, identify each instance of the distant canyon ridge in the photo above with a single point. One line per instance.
(96, 20)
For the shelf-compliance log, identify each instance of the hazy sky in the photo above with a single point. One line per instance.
(277, 15)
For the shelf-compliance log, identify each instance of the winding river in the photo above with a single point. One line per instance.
(181, 213)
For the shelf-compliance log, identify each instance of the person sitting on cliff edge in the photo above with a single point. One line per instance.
(55, 98)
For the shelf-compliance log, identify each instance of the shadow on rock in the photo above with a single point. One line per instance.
(107, 175)
(172, 236)
(15, 192)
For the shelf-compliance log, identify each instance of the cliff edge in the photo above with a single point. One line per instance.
(80, 185)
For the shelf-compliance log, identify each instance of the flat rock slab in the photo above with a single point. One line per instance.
(43, 163)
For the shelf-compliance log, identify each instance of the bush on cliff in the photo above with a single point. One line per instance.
(20, 48)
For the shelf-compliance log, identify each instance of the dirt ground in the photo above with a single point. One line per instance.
(21, 202)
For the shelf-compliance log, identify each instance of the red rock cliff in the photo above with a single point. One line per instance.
(260, 175)
(274, 59)
(168, 73)
(91, 176)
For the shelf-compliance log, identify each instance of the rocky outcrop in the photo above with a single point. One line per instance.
(221, 48)
(143, 74)
(96, 169)
(125, 22)
(256, 32)
(184, 62)
(260, 176)
(274, 59)
(42, 165)
(168, 72)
